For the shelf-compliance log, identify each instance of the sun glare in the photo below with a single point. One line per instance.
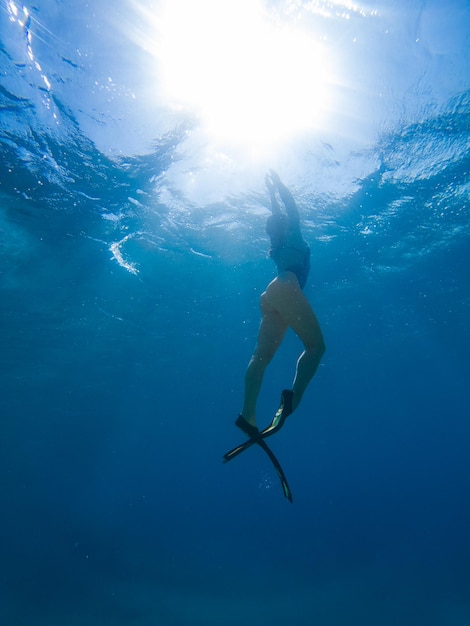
(251, 81)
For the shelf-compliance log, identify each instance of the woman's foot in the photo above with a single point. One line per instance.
(249, 429)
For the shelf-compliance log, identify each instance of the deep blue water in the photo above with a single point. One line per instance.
(129, 310)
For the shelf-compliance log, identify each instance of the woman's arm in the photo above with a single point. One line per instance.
(275, 208)
(288, 200)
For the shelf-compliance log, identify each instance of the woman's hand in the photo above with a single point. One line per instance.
(275, 178)
(269, 183)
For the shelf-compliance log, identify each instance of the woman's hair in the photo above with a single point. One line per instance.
(276, 226)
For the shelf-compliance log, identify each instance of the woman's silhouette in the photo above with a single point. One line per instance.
(283, 305)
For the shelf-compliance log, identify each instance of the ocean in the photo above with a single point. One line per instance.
(133, 254)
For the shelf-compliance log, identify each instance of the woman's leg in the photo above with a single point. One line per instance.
(271, 333)
(295, 310)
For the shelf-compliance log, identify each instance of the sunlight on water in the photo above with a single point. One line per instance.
(23, 18)
(116, 249)
(251, 80)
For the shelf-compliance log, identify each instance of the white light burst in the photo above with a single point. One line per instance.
(251, 81)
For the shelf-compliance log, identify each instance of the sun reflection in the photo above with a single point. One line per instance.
(251, 80)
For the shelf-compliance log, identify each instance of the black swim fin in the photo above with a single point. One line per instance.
(255, 436)
(284, 410)
(277, 466)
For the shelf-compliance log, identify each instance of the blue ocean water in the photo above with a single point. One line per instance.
(133, 255)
